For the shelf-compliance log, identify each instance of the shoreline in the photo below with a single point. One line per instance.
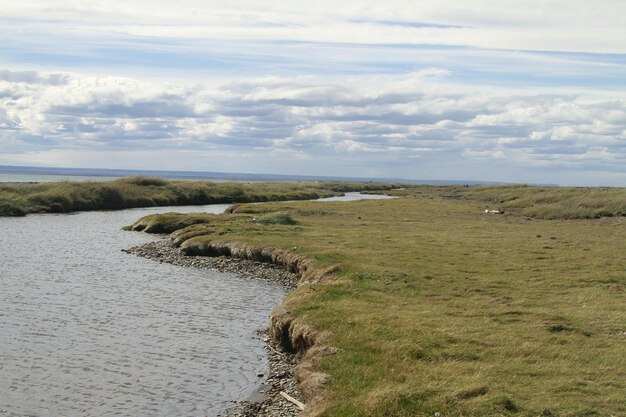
(421, 297)
(266, 401)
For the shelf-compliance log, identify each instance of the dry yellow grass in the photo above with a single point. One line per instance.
(437, 307)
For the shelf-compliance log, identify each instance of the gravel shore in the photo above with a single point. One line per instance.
(267, 402)
(163, 251)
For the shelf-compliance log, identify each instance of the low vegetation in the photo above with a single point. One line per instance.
(170, 222)
(12, 207)
(537, 202)
(18, 199)
(437, 308)
(275, 218)
(556, 202)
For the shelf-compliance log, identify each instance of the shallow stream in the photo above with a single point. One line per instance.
(86, 329)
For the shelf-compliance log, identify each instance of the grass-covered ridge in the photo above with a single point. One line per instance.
(437, 307)
(536, 202)
(59, 197)
(557, 202)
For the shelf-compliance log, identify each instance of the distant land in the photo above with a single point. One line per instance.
(220, 176)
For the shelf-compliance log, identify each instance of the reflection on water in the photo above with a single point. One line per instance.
(89, 330)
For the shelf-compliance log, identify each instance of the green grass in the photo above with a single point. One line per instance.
(61, 197)
(145, 181)
(275, 218)
(12, 207)
(170, 222)
(537, 202)
(437, 307)
(556, 202)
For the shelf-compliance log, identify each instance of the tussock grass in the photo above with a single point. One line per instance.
(275, 218)
(439, 308)
(537, 202)
(12, 207)
(170, 222)
(144, 181)
(62, 197)
(556, 202)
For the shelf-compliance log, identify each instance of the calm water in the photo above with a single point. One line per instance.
(19, 177)
(86, 329)
(356, 197)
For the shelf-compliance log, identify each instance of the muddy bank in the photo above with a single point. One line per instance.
(268, 400)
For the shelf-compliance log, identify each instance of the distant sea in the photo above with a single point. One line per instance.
(48, 174)
(12, 177)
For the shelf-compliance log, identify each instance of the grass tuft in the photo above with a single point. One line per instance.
(12, 207)
(144, 181)
(471, 393)
(508, 404)
(275, 218)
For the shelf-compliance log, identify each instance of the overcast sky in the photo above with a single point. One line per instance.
(517, 91)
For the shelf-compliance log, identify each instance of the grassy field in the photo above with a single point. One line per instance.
(437, 307)
(536, 202)
(18, 199)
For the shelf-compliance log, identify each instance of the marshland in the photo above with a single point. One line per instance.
(313, 209)
(19, 199)
(426, 305)
(419, 305)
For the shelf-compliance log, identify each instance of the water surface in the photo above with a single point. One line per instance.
(89, 330)
(30, 177)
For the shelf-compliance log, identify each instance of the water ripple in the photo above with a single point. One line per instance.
(89, 330)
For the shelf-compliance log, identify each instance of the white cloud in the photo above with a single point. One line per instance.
(7, 121)
(292, 86)
(381, 123)
(32, 77)
(574, 25)
(220, 127)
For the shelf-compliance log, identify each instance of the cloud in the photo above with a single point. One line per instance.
(417, 89)
(383, 123)
(574, 25)
(32, 77)
(8, 124)
(538, 45)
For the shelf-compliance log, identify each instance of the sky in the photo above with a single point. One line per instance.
(514, 91)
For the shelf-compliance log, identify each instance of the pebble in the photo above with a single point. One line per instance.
(280, 378)
(163, 251)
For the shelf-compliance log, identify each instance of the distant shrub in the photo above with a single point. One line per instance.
(12, 208)
(169, 222)
(144, 181)
(140, 191)
(53, 201)
(110, 197)
(276, 218)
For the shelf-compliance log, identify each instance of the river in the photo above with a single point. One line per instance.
(86, 329)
